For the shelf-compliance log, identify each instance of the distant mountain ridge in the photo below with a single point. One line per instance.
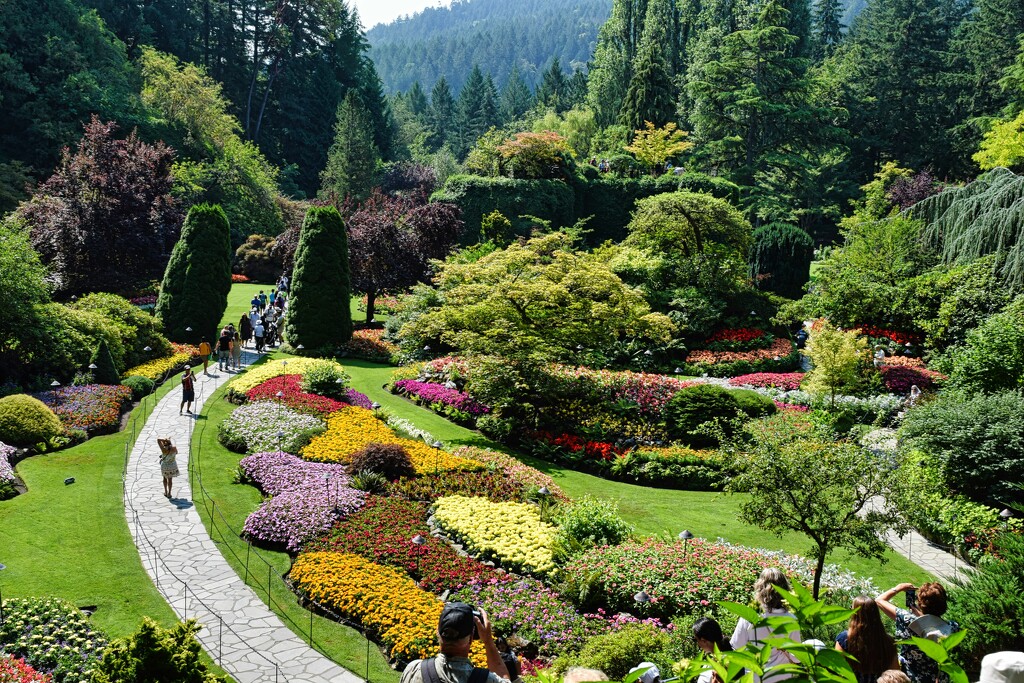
(496, 34)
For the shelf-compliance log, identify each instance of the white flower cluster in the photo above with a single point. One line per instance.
(403, 426)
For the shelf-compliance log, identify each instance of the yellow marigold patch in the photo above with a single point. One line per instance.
(159, 368)
(384, 599)
(261, 373)
(510, 532)
(351, 429)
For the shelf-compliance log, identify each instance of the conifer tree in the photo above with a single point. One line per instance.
(353, 158)
(780, 259)
(618, 42)
(442, 113)
(650, 97)
(417, 100)
(319, 310)
(516, 98)
(194, 292)
(476, 111)
(554, 87)
(828, 29)
(106, 371)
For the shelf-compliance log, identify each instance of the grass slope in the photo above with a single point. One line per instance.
(242, 293)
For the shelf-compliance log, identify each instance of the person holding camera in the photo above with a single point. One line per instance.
(922, 618)
(457, 628)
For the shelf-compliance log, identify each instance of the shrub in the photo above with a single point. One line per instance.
(992, 360)
(255, 259)
(105, 371)
(696, 405)
(194, 292)
(369, 482)
(140, 386)
(388, 459)
(137, 329)
(26, 421)
(153, 653)
(589, 522)
(780, 259)
(617, 652)
(753, 404)
(325, 378)
(52, 636)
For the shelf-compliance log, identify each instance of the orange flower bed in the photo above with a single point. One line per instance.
(779, 347)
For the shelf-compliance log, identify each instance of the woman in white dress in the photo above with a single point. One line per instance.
(168, 464)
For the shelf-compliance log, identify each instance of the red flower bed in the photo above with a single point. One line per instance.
(779, 347)
(898, 380)
(892, 335)
(292, 395)
(576, 444)
(738, 339)
(904, 361)
(740, 334)
(370, 345)
(16, 670)
(780, 380)
(382, 532)
(238, 277)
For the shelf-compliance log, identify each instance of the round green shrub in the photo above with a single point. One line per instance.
(389, 460)
(617, 652)
(692, 407)
(753, 404)
(140, 386)
(322, 377)
(26, 421)
(589, 522)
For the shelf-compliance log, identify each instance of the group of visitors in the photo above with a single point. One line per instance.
(265, 317)
(875, 658)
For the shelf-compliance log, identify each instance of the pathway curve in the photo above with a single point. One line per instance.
(925, 554)
(240, 632)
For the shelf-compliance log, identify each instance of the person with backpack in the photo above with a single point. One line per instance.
(457, 628)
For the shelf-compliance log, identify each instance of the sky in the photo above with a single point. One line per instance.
(373, 12)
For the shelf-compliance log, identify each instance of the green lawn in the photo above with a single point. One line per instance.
(216, 465)
(242, 293)
(73, 541)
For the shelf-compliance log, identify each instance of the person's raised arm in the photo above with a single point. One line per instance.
(884, 600)
(494, 661)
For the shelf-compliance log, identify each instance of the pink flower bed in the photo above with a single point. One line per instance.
(15, 670)
(787, 381)
(899, 380)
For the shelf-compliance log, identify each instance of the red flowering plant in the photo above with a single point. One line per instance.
(369, 344)
(899, 380)
(883, 335)
(787, 381)
(572, 444)
(238, 277)
(738, 339)
(383, 531)
(16, 670)
(287, 389)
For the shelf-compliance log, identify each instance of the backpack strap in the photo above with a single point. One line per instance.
(479, 675)
(428, 670)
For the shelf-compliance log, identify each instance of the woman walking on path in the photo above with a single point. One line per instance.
(245, 329)
(168, 464)
(236, 349)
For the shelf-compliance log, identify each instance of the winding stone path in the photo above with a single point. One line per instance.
(239, 631)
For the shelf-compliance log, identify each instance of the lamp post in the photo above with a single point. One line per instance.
(641, 598)
(1006, 514)
(678, 371)
(92, 372)
(437, 455)
(685, 537)
(2, 567)
(327, 485)
(419, 542)
(375, 407)
(280, 438)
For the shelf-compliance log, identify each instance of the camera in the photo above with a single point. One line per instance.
(911, 598)
(476, 615)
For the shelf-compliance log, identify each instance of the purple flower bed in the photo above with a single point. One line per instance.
(358, 399)
(6, 471)
(93, 408)
(304, 505)
(438, 393)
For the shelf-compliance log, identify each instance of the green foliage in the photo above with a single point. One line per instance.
(194, 292)
(694, 406)
(1003, 145)
(780, 259)
(654, 146)
(105, 372)
(140, 386)
(318, 310)
(617, 652)
(992, 358)
(352, 161)
(135, 328)
(753, 404)
(387, 459)
(26, 421)
(157, 654)
(837, 357)
(588, 522)
(325, 378)
(977, 441)
(496, 229)
(988, 603)
(683, 224)
(819, 489)
(22, 289)
(257, 260)
(577, 126)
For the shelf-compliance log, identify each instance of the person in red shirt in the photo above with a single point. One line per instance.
(188, 390)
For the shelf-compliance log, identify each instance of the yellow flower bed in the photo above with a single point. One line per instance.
(157, 369)
(673, 452)
(382, 598)
(275, 368)
(510, 532)
(351, 429)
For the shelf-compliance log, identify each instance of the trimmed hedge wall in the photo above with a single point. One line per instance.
(609, 200)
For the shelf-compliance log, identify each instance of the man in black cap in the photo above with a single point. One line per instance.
(458, 626)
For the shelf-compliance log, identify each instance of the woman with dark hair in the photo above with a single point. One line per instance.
(708, 634)
(867, 640)
(245, 329)
(927, 603)
(772, 605)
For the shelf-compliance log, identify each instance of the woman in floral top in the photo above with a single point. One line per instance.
(931, 599)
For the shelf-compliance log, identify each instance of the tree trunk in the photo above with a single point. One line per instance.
(817, 572)
(371, 299)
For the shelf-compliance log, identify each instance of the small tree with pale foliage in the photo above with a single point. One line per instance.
(654, 146)
(837, 358)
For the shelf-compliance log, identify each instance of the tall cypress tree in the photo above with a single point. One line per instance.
(319, 309)
(553, 88)
(352, 161)
(650, 96)
(418, 100)
(618, 43)
(194, 292)
(106, 371)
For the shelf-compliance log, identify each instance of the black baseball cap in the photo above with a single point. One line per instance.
(456, 621)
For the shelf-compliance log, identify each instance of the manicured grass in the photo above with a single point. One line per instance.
(242, 293)
(654, 512)
(72, 541)
(234, 502)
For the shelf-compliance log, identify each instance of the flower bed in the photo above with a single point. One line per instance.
(495, 485)
(524, 475)
(352, 429)
(370, 344)
(144, 300)
(442, 399)
(786, 381)
(238, 277)
(15, 670)
(254, 427)
(53, 637)
(93, 408)
(890, 335)
(738, 339)
(382, 532)
(292, 395)
(570, 443)
(160, 369)
(511, 533)
(6, 470)
(904, 362)
(899, 380)
(780, 356)
(276, 471)
(383, 599)
(259, 374)
(382, 303)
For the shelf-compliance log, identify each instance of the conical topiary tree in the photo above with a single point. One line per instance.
(196, 283)
(780, 260)
(105, 372)
(319, 309)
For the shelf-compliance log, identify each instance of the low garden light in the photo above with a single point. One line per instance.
(648, 352)
(543, 491)
(426, 348)
(2, 567)
(419, 542)
(437, 456)
(147, 349)
(1006, 514)
(685, 537)
(188, 329)
(300, 347)
(54, 384)
(679, 371)
(327, 485)
(279, 394)
(280, 438)
(642, 597)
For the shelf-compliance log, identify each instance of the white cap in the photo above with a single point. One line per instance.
(650, 675)
(1002, 667)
